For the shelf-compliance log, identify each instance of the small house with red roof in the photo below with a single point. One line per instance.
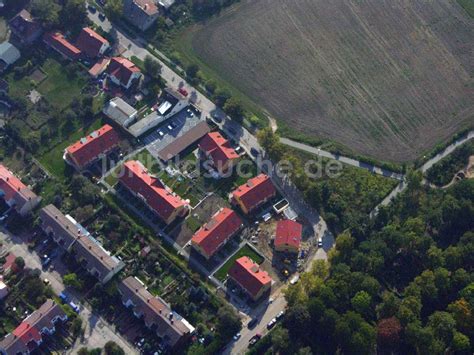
(218, 151)
(25, 338)
(254, 193)
(16, 194)
(250, 277)
(123, 72)
(92, 147)
(158, 197)
(91, 43)
(217, 232)
(288, 236)
(57, 41)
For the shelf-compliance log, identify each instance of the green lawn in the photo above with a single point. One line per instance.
(193, 223)
(59, 88)
(246, 250)
(468, 5)
(53, 159)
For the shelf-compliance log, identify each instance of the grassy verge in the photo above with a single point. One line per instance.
(221, 274)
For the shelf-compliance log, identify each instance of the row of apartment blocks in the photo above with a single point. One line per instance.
(75, 239)
(27, 336)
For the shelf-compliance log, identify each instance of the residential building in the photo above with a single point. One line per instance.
(25, 28)
(158, 197)
(16, 194)
(3, 290)
(91, 43)
(9, 54)
(74, 238)
(121, 112)
(57, 41)
(218, 151)
(93, 147)
(288, 236)
(155, 312)
(254, 193)
(95, 259)
(123, 72)
(25, 338)
(99, 67)
(61, 228)
(183, 142)
(217, 232)
(141, 13)
(248, 275)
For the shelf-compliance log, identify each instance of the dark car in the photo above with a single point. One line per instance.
(252, 323)
(102, 17)
(91, 9)
(254, 152)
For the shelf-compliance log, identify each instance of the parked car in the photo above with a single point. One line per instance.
(237, 336)
(252, 323)
(280, 315)
(254, 339)
(160, 133)
(254, 152)
(74, 307)
(271, 324)
(46, 262)
(102, 17)
(183, 92)
(92, 9)
(63, 296)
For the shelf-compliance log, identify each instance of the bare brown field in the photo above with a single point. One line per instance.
(388, 79)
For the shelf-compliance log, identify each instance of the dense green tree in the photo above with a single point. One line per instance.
(234, 109)
(113, 9)
(112, 348)
(47, 11)
(152, 67)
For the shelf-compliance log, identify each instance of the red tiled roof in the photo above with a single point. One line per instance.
(148, 6)
(254, 191)
(222, 226)
(27, 333)
(62, 45)
(218, 148)
(99, 67)
(90, 42)
(9, 183)
(122, 69)
(89, 148)
(288, 233)
(136, 177)
(249, 275)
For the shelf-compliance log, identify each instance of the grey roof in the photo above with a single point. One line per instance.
(169, 325)
(9, 53)
(183, 142)
(119, 111)
(146, 123)
(96, 256)
(60, 225)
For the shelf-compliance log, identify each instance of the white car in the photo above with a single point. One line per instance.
(160, 133)
(271, 324)
(237, 336)
(320, 242)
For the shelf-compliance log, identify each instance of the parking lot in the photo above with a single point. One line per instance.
(171, 129)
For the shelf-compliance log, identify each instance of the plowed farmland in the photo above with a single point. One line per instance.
(386, 78)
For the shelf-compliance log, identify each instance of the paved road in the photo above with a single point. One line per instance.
(343, 159)
(402, 186)
(97, 330)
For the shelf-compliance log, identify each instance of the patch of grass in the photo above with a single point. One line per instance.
(467, 5)
(246, 250)
(193, 223)
(53, 159)
(59, 88)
